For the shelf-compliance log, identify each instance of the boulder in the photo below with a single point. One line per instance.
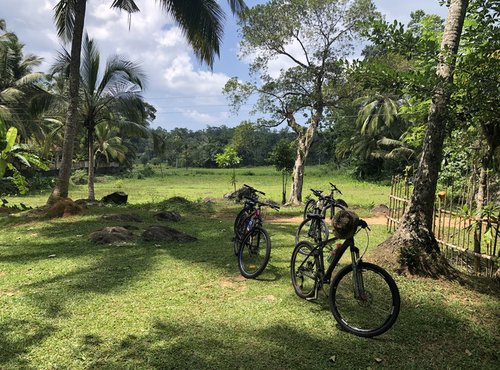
(167, 216)
(381, 209)
(63, 207)
(111, 235)
(118, 197)
(160, 233)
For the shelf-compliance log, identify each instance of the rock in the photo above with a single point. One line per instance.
(381, 209)
(118, 197)
(167, 216)
(160, 233)
(63, 207)
(125, 217)
(110, 235)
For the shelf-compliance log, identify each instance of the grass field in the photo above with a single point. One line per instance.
(66, 303)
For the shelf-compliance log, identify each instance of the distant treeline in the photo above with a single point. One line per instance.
(186, 148)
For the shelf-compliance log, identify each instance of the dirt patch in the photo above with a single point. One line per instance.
(234, 283)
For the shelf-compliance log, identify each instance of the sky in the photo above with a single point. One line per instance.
(185, 92)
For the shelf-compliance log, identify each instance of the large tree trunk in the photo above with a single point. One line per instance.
(91, 173)
(62, 185)
(304, 141)
(418, 248)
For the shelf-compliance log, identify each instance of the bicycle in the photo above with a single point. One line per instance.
(324, 202)
(254, 248)
(363, 297)
(248, 208)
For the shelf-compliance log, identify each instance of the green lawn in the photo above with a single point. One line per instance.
(66, 303)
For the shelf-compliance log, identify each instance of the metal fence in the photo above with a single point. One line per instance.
(468, 241)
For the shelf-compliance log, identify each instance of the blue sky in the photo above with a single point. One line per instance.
(185, 93)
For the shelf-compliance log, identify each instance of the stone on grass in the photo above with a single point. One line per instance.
(167, 216)
(63, 207)
(381, 209)
(118, 197)
(160, 233)
(125, 217)
(111, 235)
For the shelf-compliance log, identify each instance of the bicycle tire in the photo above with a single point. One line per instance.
(332, 208)
(252, 259)
(309, 207)
(241, 216)
(313, 230)
(376, 312)
(304, 270)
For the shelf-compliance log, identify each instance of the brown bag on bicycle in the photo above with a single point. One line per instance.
(344, 224)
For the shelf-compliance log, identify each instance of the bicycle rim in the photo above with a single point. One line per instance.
(303, 270)
(374, 311)
(254, 253)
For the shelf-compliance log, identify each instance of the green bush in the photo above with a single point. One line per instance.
(79, 177)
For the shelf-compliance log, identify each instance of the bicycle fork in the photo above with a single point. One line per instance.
(359, 287)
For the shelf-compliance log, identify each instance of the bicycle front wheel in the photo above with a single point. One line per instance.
(254, 253)
(313, 230)
(371, 307)
(304, 269)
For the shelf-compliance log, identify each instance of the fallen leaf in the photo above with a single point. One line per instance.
(52, 255)
(378, 360)
(333, 358)
(469, 353)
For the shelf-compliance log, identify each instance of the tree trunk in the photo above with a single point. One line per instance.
(91, 172)
(304, 139)
(62, 186)
(418, 248)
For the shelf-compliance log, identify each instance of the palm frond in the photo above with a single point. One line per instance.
(202, 28)
(64, 17)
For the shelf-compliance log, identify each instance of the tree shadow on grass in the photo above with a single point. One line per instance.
(17, 337)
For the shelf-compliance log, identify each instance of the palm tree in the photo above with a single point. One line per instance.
(109, 144)
(17, 82)
(376, 111)
(113, 97)
(199, 20)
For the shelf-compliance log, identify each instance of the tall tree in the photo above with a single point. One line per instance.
(311, 40)
(418, 248)
(106, 97)
(199, 20)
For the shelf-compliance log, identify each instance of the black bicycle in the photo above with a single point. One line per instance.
(248, 208)
(363, 297)
(324, 202)
(254, 245)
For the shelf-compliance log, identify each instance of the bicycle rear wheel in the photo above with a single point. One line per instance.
(313, 230)
(304, 269)
(374, 309)
(254, 253)
(309, 208)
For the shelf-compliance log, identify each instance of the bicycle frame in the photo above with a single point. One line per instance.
(325, 277)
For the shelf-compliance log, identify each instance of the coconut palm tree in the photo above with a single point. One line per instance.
(111, 96)
(17, 82)
(199, 20)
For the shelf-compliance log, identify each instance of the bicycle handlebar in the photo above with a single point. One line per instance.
(253, 190)
(334, 188)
